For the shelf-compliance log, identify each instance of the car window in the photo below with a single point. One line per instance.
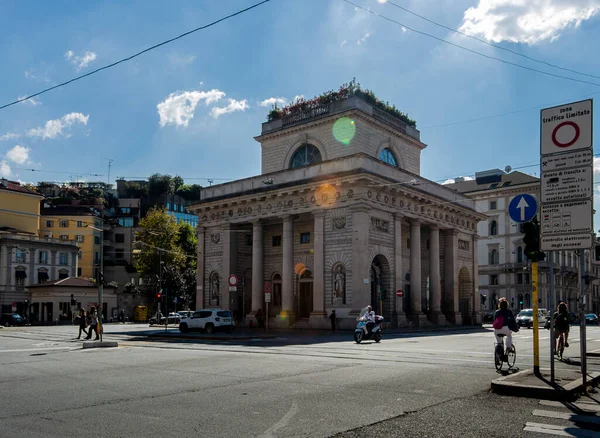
(202, 314)
(224, 314)
(525, 313)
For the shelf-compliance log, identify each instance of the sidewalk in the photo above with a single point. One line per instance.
(567, 385)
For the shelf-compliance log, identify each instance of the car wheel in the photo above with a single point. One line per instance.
(210, 329)
(183, 328)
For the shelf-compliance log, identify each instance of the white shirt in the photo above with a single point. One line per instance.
(370, 316)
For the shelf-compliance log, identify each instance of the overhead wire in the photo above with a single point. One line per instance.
(129, 58)
(470, 50)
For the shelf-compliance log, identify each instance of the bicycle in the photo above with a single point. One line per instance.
(500, 354)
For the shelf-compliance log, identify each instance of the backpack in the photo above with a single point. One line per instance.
(498, 322)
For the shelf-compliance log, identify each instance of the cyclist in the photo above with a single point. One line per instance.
(561, 325)
(507, 319)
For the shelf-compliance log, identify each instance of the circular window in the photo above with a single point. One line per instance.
(306, 155)
(388, 157)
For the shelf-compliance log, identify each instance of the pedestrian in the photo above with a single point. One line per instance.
(82, 323)
(93, 324)
(333, 318)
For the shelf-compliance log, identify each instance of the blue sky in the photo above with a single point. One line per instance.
(137, 113)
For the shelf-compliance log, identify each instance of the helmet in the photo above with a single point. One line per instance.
(369, 308)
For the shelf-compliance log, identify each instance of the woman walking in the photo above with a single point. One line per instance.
(93, 324)
(82, 323)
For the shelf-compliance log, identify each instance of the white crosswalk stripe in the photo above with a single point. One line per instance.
(580, 419)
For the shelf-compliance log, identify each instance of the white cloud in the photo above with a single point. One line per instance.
(178, 109)
(32, 101)
(452, 180)
(344, 43)
(28, 74)
(298, 97)
(80, 61)
(9, 136)
(530, 21)
(273, 100)
(55, 128)
(597, 164)
(178, 59)
(18, 154)
(234, 105)
(403, 29)
(363, 39)
(4, 169)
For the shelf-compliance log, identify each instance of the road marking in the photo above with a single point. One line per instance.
(38, 349)
(551, 429)
(591, 407)
(576, 418)
(281, 423)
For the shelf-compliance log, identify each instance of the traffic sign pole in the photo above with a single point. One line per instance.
(536, 332)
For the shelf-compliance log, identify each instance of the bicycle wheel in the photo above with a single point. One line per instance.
(512, 356)
(498, 357)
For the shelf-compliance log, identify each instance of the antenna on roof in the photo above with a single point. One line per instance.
(508, 169)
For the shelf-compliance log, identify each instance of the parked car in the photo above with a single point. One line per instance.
(11, 319)
(185, 313)
(591, 318)
(209, 320)
(525, 317)
(488, 317)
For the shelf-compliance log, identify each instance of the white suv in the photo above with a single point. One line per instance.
(209, 320)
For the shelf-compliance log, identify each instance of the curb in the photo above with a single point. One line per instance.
(210, 338)
(567, 392)
(103, 344)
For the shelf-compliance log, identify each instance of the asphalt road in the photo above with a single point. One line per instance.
(292, 385)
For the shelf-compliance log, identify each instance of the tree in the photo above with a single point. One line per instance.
(135, 189)
(176, 182)
(159, 185)
(189, 192)
(157, 241)
(188, 242)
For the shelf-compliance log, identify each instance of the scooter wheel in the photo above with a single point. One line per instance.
(377, 337)
(358, 336)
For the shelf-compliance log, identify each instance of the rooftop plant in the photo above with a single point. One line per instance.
(352, 88)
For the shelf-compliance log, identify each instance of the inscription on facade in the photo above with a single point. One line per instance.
(338, 242)
(214, 254)
(464, 244)
(380, 225)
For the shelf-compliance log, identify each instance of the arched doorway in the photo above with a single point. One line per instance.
(275, 304)
(381, 298)
(305, 294)
(465, 295)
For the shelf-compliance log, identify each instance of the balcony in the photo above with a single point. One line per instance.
(36, 239)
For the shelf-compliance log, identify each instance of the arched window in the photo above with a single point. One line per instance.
(494, 257)
(519, 254)
(306, 155)
(493, 228)
(387, 156)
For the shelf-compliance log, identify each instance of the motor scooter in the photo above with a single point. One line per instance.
(361, 333)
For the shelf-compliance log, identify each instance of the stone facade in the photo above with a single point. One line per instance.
(345, 230)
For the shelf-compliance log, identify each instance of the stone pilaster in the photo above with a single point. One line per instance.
(257, 269)
(318, 317)
(417, 316)
(200, 268)
(451, 273)
(435, 315)
(477, 300)
(361, 289)
(287, 316)
(400, 316)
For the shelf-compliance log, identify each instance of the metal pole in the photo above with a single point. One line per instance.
(536, 338)
(100, 283)
(267, 323)
(551, 306)
(582, 339)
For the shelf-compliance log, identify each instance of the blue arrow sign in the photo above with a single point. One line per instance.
(522, 208)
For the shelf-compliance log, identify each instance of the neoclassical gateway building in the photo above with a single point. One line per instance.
(339, 218)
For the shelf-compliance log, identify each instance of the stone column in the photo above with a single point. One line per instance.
(361, 290)
(477, 300)
(318, 317)
(451, 277)
(435, 315)
(200, 269)
(229, 265)
(287, 316)
(257, 267)
(417, 316)
(400, 316)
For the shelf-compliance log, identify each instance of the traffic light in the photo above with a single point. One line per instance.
(383, 294)
(532, 242)
(597, 248)
(158, 295)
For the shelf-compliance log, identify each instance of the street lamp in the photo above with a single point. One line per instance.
(100, 278)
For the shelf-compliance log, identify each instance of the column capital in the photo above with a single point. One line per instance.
(288, 218)
(451, 231)
(415, 222)
(319, 213)
(398, 216)
(257, 222)
(433, 227)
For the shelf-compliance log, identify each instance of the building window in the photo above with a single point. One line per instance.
(519, 278)
(119, 253)
(64, 224)
(79, 224)
(126, 222)
(493, 205)
(79, 238)
(63, 274)
(64, 237)
(119, 238)
(96, 258)
(20, 276)
(126, 210)
(305, 156)
(49, 224)
(493, 228)
(526, 278)
(494, 259)
(276, 240)
(42, 276)
(79, 272)
(43, 257)
(387, 156)
(304, 237)
(519, 254)
(62, 258)
(494, 280)
(248, 239)
(96, 240)
(168, 205)
(175, 207)
(79, 255)
(21, 256)
(182, 209)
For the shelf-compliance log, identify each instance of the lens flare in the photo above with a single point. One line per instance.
(344, 130)
(326, 195)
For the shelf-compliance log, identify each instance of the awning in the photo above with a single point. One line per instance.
(43, 276)
(20, 274)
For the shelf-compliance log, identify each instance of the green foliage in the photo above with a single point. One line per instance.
(160, 184)
(189, 192)
(135, 189)
(352, 88)
(177, 182)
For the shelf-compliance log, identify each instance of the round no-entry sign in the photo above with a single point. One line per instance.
(399, 293)
(565, 134)
(233, 280)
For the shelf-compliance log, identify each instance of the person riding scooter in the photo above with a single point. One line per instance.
(370, 316)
